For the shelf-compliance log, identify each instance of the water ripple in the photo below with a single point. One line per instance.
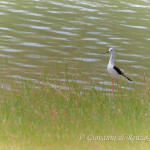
(7, 49)
(131, 26)
(61, 12)
(70, 28)
(90, 39)
(86, 59)
(136, 5)
(38, 27)
(32, 44)
(73, 6)
(63, 32)
(126, 11)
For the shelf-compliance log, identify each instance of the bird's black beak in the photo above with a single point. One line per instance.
(105, 52)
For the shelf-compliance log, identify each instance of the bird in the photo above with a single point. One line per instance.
(112, 69)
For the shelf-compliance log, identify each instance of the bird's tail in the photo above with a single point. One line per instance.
(127, 78)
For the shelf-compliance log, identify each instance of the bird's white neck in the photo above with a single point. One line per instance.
(111, 60)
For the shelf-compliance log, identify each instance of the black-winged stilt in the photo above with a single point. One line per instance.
(113, 70)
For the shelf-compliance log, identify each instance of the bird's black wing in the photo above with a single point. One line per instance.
(121, 73)
(118, 70)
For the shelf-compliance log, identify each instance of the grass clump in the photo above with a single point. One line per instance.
(44, 116)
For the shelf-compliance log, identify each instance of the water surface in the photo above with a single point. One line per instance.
(35, 35)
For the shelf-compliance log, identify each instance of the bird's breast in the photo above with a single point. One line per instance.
(112, 71)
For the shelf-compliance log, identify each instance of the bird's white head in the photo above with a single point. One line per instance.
(111, 50)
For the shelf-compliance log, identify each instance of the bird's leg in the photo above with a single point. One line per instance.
(113, 85)
(118, 87)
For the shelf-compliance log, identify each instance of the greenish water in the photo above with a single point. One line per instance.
(35, 35)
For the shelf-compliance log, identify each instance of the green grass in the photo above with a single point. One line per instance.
(52, 118)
